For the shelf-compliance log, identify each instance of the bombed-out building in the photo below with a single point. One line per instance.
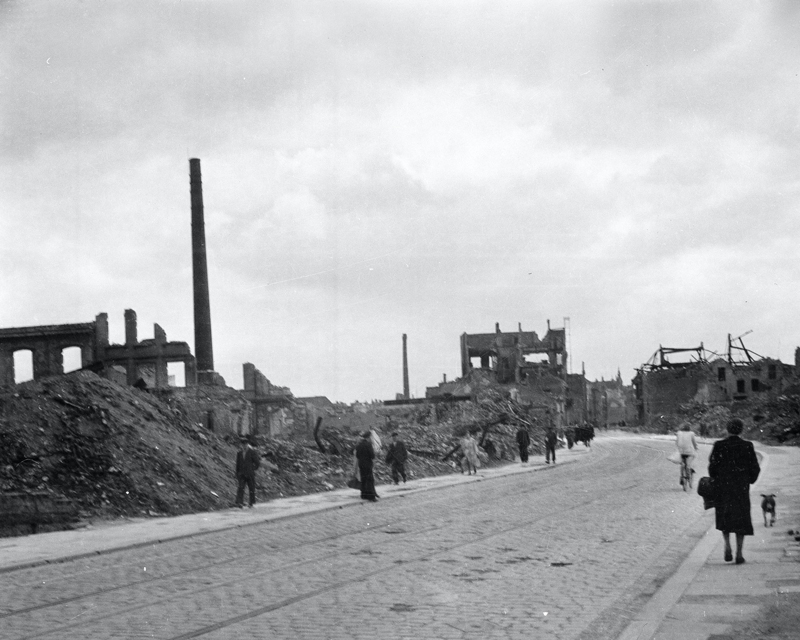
(144, 362)
(662, 386)
(534, 370)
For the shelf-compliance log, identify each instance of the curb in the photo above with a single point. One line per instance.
(432, 485)
(646, 623)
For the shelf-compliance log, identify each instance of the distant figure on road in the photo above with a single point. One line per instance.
(550, 440)
(687, 444)
(469, 451)
(365, 455)
(523, 442)
(584, 433)
(734, 467)
(397, 456)
(247, 462)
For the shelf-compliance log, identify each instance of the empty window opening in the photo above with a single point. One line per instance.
(23, 365)
(176, 374)
(772, 372)
(740, 386)
(754, 384)
(71, 359)
(721, 374)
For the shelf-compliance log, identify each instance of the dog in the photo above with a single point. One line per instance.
(768, 508)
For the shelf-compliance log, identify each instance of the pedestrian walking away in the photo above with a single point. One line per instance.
(734, 467)
(365, 456)
(550, 440)
(469, 451)
(396, 456)
(523, 442)
(247, 461)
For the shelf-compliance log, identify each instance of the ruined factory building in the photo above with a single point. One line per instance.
(663, 385)
(127, 363)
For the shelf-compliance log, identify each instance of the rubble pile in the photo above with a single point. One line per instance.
(773, 420)
(112, 450)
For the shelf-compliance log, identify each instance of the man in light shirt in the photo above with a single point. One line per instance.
(687, 445)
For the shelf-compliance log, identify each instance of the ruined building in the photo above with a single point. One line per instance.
(508, 355)
(126, 363)
(533, 370)
(662, 386)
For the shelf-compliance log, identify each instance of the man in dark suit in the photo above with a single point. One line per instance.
(523, 442)
(397, 456)
(734, 467)
(247, 462)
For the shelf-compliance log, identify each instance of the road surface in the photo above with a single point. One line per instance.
(571, 551)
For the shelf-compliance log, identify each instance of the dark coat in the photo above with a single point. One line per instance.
(247, 463)
(397, 453)
(734, 467)
(523, 438)
(365, 455)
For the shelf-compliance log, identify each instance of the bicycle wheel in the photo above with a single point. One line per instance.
(685, 478)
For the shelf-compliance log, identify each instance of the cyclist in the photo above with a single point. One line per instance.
(687, 447)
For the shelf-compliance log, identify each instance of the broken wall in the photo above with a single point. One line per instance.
(222, 410)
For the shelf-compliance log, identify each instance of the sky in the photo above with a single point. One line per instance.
(430, 168)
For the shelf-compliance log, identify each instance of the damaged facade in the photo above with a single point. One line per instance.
(533, 370)
(127, 363)
(662, 387)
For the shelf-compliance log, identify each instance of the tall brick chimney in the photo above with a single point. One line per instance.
(406, 392)
(204, 352)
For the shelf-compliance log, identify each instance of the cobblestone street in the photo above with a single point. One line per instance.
(572, 551)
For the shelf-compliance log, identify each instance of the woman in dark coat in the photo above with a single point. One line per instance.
(734, 467)
(365, 455)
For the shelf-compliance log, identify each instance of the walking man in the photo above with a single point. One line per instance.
(397, 456)
(523, 441)
(247, 462)
(550, 439)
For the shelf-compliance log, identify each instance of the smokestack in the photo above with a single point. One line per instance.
(406, 391)
(203, 349)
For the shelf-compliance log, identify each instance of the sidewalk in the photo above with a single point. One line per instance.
(708, 598)
(58, 546)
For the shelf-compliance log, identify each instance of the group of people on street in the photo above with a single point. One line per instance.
(733, 467)
(396, 456)
(550, 443)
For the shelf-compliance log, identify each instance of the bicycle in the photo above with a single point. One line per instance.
(686, 473)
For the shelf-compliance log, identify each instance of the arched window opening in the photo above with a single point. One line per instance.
(176, 374)
(23, 365)
(71, 357)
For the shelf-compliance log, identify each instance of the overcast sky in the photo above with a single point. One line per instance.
(430, 168)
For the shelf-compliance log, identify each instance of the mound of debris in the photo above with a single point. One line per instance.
(770, 420)
(116, 451)
(111, 450)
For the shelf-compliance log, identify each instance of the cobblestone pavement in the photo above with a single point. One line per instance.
(572, 551)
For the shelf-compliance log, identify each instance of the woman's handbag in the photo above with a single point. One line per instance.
(707, 490)
(354, 482)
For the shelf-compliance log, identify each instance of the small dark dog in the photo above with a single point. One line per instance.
(768, 508)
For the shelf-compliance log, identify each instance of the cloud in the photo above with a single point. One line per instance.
(372, 169)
